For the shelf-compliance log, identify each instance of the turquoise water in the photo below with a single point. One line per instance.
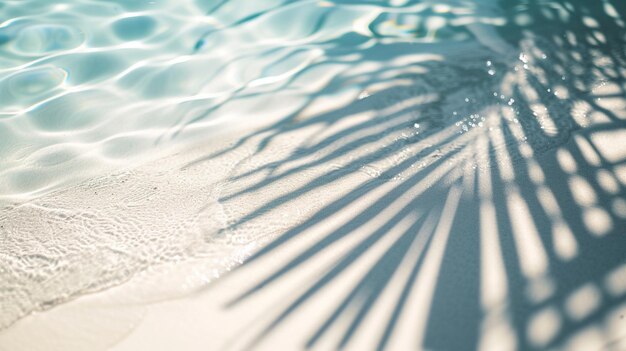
(88, 85)
(91, 87)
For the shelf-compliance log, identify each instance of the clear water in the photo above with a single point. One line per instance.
(89, 86)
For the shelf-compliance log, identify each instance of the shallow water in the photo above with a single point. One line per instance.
(91, 87)
(88, 85)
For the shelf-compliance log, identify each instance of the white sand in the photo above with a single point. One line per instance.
(392, 194)
(172, 307)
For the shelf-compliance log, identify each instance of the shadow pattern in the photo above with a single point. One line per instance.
(498, 211)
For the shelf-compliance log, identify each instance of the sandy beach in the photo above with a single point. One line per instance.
(402, 177)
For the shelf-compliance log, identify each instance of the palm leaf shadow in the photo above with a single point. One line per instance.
(482, 170)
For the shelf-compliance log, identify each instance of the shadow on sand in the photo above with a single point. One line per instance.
(499, 223)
